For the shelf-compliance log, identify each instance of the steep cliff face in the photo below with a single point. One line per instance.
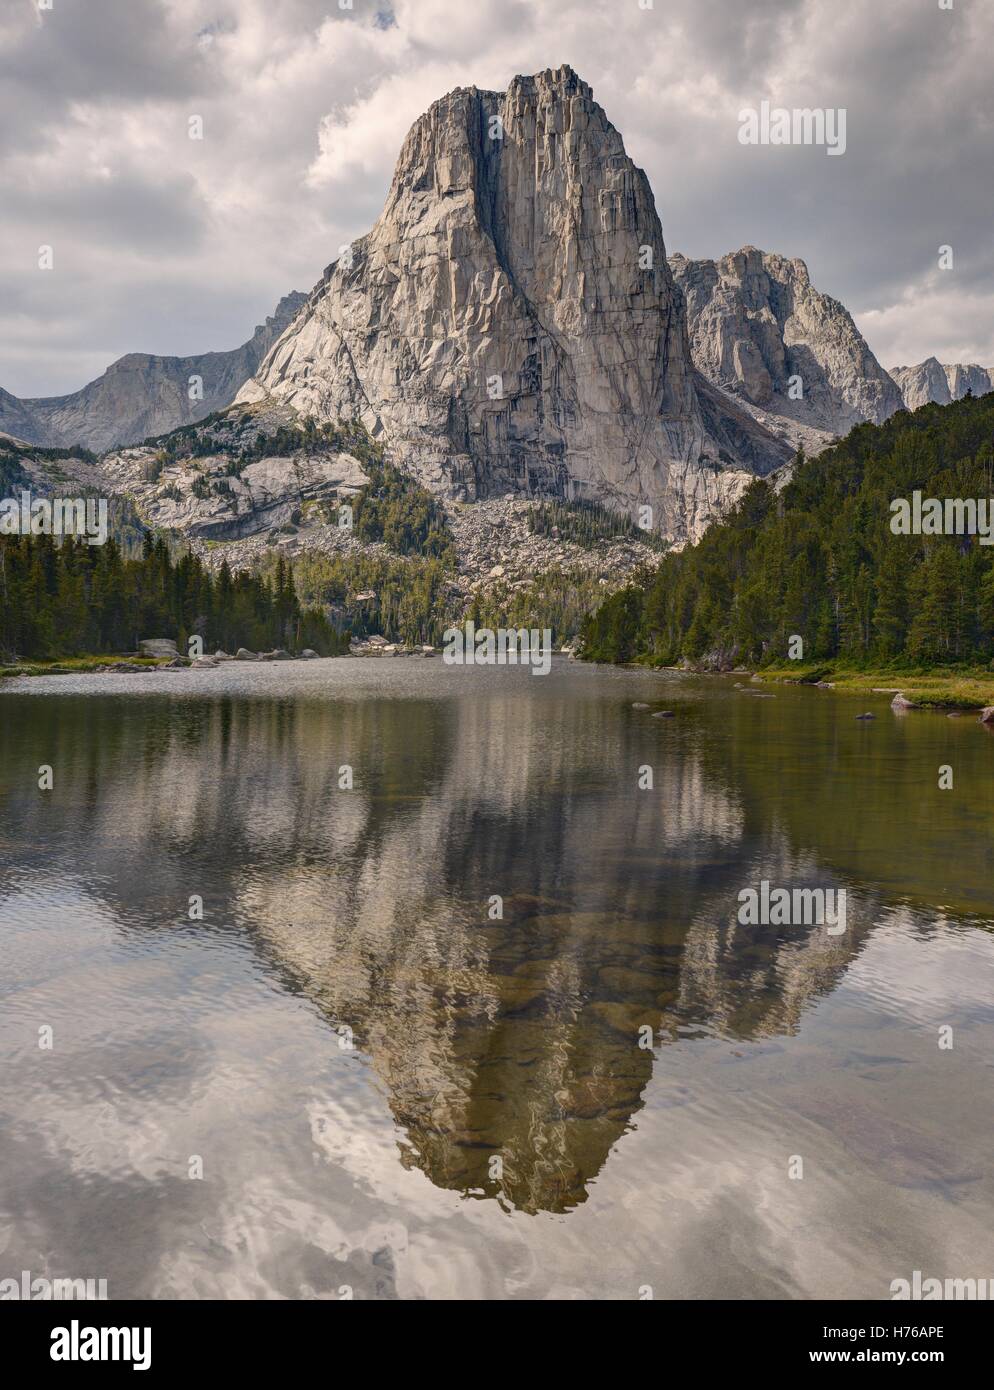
(16, 420)
(140, 395)
(511, 323)
(756, 321)
(977, 380)
(933, 382)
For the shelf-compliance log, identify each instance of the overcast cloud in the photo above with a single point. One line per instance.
(170, 245)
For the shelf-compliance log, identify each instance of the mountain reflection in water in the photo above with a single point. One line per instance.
(515, 1039)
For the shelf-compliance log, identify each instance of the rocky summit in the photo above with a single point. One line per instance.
(936, 383)
(793, 356)
(511, 322)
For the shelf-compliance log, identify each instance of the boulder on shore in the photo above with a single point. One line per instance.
(308, 653)
(899, 702)
(987, 715)
(243, 654)
(371, 646)
(157, 646)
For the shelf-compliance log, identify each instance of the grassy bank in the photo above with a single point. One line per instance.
(73, 665)
(968, 688)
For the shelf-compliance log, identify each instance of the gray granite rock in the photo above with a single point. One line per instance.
(511, 323)
(755, 321)
(158, 647)
(933, 382)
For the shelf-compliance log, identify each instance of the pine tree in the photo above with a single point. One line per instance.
(890, 614)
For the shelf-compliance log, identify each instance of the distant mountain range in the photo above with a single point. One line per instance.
(512, 324)
(140, 395)
(937, 383)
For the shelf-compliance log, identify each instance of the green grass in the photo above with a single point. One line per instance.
(952, 687)
(72, 665)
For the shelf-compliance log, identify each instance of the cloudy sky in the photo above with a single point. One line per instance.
(170, 245)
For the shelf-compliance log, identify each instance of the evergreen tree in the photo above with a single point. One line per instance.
(69, 599)
(820, 559)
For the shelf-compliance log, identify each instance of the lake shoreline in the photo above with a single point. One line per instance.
(967, 691)
(116, 665)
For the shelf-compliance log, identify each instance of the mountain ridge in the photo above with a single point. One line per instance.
(142, 394)
(938, 383)
(761, 331)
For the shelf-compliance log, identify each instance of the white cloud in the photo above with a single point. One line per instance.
(956, 323)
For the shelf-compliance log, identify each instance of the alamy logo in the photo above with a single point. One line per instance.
(508, 646)
(943, 516)
(800, 126)
(793, 907)
(61, 1290)
(916, 1288)
(75, 1343)
(85, 518)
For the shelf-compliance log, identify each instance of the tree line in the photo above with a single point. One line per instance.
(818, 559)
(587, 524)
(71, 599)
(395, 509)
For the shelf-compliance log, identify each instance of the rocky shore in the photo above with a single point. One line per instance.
(161, 654)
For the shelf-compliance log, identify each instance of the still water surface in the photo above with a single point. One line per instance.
(347, 1041)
